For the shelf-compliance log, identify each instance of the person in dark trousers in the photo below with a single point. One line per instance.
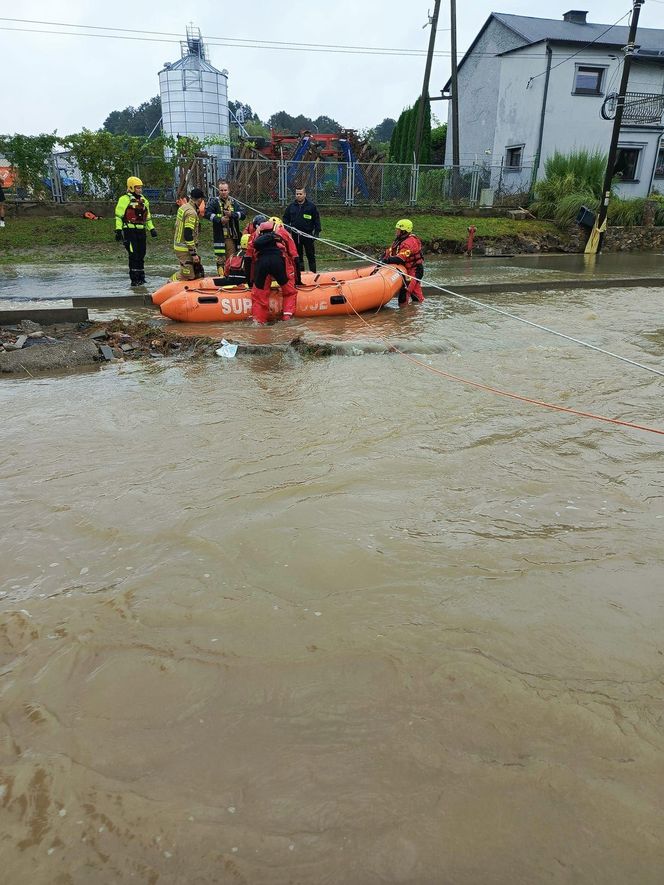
(302, 215)
(132, 220)
(225, 213)
(2, 206)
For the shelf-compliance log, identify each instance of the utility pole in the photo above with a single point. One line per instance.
(455, 86)
(598, 233)
(425, 86)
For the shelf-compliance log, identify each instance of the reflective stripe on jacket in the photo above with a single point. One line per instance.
(186, 219)
(128, 202)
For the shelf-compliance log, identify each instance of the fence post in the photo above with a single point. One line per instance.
(474, 186)
(350, 172)
(414, 182)
(56, 184)
(282, 178)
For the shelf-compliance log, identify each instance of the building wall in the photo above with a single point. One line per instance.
(572, 122)
(479, 82)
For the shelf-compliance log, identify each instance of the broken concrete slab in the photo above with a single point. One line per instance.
(29, 326)
(107, 353)
(44, 315)
(65, 355)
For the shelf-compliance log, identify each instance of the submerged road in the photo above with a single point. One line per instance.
(283, 620)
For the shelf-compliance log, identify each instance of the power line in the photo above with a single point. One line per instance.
(394, 53)
(220, 42)
(226, 39)
(579, 51)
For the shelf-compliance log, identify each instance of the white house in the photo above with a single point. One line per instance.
(531, 86)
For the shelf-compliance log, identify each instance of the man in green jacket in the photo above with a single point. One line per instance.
(132, 220)
(185, 239)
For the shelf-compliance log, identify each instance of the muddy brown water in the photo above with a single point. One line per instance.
(284, 620)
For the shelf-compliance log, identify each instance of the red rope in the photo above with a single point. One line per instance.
(517, 396)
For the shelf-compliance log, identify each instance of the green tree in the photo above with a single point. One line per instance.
(384, 130)
(105, 160)
(258, 129)
(409, 140)
(438, 140)
(284, 122)
(399, 137)
(327, 124)
(402, 143)
(29, 155)
(425, 147)
(246, 111)
(135, 121)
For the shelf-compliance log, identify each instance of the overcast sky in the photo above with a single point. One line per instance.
(64, 83)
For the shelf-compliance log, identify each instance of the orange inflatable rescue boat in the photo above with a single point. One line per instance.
(173, 287)
(336, 293)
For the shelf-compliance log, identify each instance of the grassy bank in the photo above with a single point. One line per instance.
(59, 239)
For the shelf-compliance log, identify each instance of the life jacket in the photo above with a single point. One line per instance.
(136, 212)
(234, 264)
(91, 216)
(413, 246)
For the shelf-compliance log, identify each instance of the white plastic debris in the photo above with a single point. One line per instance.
(228, 350)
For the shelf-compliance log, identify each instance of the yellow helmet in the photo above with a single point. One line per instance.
(276, 220)
(133, 182)
(244, 241)
(405, 225)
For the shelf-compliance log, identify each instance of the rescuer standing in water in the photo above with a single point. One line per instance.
(132, 220)
(407, 250)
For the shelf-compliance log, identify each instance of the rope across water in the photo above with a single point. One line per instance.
(356, 253)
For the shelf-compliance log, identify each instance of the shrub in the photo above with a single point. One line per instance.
(573, 179)
(626, 213)
(568, 207)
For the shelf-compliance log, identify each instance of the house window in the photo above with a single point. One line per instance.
(659, 165)
(627, 163)
(514, 157)
(588, 81)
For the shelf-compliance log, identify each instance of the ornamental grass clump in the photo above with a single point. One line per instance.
(571, 181)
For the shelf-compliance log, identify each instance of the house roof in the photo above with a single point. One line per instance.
(534, 30)
(537, 30)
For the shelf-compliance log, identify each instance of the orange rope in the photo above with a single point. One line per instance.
(499, 392)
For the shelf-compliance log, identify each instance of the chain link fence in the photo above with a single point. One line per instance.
(261, 182)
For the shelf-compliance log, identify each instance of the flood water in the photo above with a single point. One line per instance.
(60, 280)
(278, 620)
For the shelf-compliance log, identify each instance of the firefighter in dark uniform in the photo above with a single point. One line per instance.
(132, 220)
(302, 215)
(225, 214)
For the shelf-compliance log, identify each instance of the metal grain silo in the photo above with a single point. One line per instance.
(194, 95)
